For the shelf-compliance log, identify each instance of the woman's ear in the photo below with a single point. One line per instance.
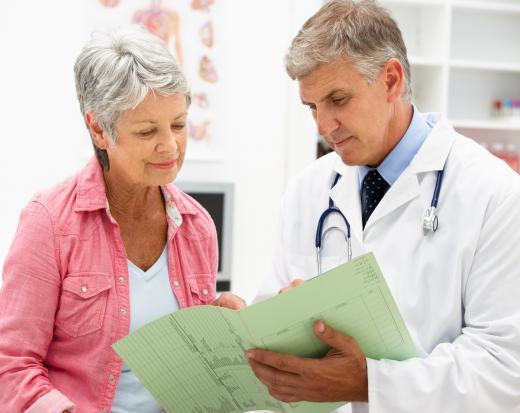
(99, 137)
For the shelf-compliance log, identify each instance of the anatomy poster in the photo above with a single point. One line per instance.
(188, 27)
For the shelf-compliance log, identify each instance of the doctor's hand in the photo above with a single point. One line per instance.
(341, 375)
(229, 300)
(294, 283)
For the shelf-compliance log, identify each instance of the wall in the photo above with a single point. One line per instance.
(42, 132)
(266, 142)
(269, 136)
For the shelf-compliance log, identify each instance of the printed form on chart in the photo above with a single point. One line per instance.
(193, 360)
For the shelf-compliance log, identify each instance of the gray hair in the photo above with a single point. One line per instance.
(116, 70)
(362, 32)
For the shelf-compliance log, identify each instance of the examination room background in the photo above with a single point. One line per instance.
(265, 135)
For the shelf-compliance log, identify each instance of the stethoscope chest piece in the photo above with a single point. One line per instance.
(430, 220)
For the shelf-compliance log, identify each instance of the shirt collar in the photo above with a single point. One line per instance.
(91, 195)
(400, 157)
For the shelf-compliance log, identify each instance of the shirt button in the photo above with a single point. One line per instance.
(121, 279)
(84, 289)
(176, 283)
(205, 292)
(111, 377)
(123, 310)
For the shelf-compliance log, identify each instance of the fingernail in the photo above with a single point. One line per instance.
(320, 327)
(250, 355)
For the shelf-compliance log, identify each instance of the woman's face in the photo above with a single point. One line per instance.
(151, 141)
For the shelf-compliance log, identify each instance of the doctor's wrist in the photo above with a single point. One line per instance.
(360, 389)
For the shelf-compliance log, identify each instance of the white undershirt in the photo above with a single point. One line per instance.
(151, 297)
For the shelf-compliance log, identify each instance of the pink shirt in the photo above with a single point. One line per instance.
(65, 296)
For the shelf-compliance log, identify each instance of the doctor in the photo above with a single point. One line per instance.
(456, 280)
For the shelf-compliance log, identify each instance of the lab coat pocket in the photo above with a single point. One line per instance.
(83, 303)
(202, 289)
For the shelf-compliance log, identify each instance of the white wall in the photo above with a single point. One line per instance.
(41, 129)
(269, 136)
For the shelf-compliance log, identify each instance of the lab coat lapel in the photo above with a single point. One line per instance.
(346, 197)
(404, 190)
(431, 157)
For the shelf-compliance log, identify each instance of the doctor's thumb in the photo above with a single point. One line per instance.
(333, 338)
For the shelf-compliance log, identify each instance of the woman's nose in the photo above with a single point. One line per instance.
(168, 143)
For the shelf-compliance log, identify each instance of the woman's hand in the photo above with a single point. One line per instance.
(230, 301)
(294, 283)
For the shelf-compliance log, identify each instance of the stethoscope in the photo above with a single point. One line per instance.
(430, 220)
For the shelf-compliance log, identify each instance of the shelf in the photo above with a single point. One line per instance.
(417, 22)
(427, 88)
(472, 92)
(481, 65)
(418, 3)
(483, 38)
(464, 55)
(490, 124)
(425, 61)
(487, 6)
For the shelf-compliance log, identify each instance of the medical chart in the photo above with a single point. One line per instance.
(192, 361)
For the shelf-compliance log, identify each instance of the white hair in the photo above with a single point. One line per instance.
(362, 32)
(116, 70)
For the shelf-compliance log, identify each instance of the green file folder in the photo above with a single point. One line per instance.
(192, 361)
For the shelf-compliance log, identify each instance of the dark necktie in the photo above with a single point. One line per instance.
(373, 189)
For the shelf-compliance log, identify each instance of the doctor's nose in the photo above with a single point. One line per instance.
(326, 124)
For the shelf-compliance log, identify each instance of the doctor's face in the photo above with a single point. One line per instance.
(352, 115)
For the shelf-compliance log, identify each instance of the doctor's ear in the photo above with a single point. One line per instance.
(99, 136)
(393, 78)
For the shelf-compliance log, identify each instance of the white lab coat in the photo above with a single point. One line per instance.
(458, 289)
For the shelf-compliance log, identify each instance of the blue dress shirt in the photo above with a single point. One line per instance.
(400, 157)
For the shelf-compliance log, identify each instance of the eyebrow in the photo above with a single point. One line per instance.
(329, 95)
(183, 114)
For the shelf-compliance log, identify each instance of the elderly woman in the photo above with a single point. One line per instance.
(110, 249)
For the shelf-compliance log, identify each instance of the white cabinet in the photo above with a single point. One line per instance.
(464, 54)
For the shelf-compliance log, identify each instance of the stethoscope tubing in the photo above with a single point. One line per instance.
(320, 235)
(437, 190)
